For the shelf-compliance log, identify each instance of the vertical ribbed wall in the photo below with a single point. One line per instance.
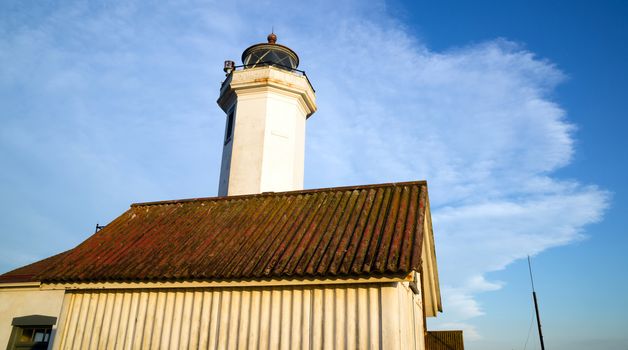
(333, 317)
(411, 318)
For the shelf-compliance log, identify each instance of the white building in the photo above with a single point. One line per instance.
(267, 265)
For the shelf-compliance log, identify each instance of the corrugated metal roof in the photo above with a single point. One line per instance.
(444, 340)
(27, 273)
(333, 232)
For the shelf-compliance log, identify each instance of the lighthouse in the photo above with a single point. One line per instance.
(267, 102)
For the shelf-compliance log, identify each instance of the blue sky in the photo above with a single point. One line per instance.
(514, 112)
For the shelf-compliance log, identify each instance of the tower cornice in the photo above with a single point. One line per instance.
(265, 79)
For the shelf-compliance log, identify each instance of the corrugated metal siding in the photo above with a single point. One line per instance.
(444, 340)
(340, 317)
(349, 231)
(410, 317)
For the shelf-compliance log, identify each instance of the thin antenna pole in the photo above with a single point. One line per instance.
(536, 305)
(530, 269)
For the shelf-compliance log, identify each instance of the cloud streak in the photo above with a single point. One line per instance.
(479, 124)
(111, 105)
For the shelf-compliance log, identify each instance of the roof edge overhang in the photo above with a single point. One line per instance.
(19, 285)
(409, 277)
(429, 268)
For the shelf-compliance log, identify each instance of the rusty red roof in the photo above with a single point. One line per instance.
(27, 273)
(323, 233)
(444, 340)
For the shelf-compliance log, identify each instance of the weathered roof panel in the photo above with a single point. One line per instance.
(27, 273)
(444, 340)
(324, 233)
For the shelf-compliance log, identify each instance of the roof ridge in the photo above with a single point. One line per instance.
(284, 193)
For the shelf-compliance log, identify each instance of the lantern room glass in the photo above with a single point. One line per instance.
(269, 57)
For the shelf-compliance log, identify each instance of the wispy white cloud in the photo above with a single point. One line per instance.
(479, 124)
(114, 103)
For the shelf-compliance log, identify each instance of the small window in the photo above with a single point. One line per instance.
(31, 337)
(229, 127)
(31, 332)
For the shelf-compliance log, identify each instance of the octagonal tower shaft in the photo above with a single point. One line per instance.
(264, 143)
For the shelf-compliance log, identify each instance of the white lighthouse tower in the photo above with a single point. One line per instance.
(267, 103)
